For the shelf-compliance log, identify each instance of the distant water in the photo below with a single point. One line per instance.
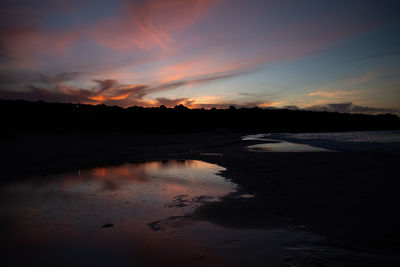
(334, 141)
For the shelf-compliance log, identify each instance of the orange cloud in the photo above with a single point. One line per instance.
(269, 104)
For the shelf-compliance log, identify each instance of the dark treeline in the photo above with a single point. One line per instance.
(21, 116)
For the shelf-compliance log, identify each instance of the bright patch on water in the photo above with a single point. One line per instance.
(275, 145)
(335, 141)
(132, 215)
(284, 146)
(109, 215)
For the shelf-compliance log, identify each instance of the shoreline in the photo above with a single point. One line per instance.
(349, 198)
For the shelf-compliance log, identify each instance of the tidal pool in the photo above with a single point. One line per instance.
(283, 146)
(130, 215)
(276, 145)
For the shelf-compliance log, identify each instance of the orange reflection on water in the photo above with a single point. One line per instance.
(147, 204)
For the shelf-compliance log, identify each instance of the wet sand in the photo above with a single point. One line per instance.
(348, 198)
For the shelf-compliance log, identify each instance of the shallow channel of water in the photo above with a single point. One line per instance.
(130, 215)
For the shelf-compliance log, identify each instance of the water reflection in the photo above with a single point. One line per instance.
(132, 215)
(113, 215)
(275, 145)
(335, 141)
(283, 146)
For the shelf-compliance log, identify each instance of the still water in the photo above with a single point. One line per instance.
(324, 142)
(284, 146)
(276, 145)
(130, 215)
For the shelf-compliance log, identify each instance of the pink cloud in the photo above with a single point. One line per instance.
(19, 43)
(148, 25)
(363, 79)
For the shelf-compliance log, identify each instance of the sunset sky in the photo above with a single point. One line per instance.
(314, 54)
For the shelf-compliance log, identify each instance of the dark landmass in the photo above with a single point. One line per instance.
(349, 198)
(20, 116)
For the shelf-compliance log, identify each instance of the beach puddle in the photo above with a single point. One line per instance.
(283, 146)
(257, 137)
(130, 215)
(274, 145)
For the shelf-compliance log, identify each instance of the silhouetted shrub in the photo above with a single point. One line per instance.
(19, 115)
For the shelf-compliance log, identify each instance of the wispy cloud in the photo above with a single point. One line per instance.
(392, 52)
(149, 24)
(332, 94)
(363, 79)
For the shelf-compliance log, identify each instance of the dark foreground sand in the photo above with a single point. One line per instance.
(350, 198)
